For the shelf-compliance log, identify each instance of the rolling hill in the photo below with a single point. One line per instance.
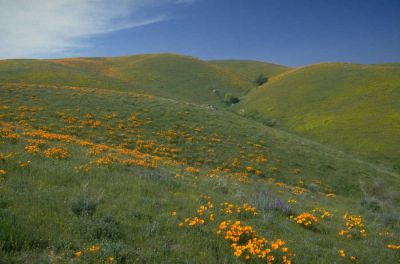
(249, 69)
(168, 75)
(107, 160)
(352, 107)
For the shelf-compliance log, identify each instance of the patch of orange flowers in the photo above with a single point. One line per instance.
(243, 239)
(322, 213)
(32, 149)
(192, 170)
(92, 249)
(354, 227)
(9, 134)
(393, 247)
(203, 212)
(245, 208)
(299, 190)
(56, 153)
(306, 219)
(247, 244)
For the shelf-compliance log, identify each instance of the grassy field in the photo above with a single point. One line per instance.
(94, 175)
(351, 107)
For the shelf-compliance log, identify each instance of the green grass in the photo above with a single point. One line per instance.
(351, 107)
(132, 221)
(249, 70)
(180, 77)
(169, 75)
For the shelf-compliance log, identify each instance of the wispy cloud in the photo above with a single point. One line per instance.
(34, 28)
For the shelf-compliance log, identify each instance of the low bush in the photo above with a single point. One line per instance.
(83, 206)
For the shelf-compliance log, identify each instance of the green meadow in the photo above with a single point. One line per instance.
(354, 108)
(139, 159)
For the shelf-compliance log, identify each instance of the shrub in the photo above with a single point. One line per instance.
(391, 219)
(261, 79)
(371, 204)
(105, 228)
(230, 99)
(270, 122)
(151, 228)
(83, 206)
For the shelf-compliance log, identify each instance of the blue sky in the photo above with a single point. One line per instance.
(291, 32)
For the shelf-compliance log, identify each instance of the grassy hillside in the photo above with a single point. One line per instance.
(249, 69)
(54, 73)
(168, 75)
(352, 107)
(93, 175)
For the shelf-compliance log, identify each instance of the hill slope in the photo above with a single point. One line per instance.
(352, 107)
(249, 69)
(96, 175)
(168, 75)
(137, 168)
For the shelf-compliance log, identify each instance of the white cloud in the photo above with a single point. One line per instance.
(34, 28)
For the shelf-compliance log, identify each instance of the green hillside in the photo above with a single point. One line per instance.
(352, 107)
(168, 75)
(94, 175)
(249, 69)
(50, 72)
(122, 160)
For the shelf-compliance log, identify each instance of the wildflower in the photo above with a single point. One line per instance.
(249, 168)
(249, 209)
(223, 225)
(173, 213)
(8, 133)
(192, 170)
(110, 259)
(393, 247)
(305, 219)
(212, 217)
(94, 248)
(299, 190)
(259, 172)
(322, 213)
(32, 149)
(77, 253)
(56, 153)
(2, 172)
(25, 165)
(237, 252)
(104, 161)
(353, 258)
(245, 242)
(354, 227)
(341, 253)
